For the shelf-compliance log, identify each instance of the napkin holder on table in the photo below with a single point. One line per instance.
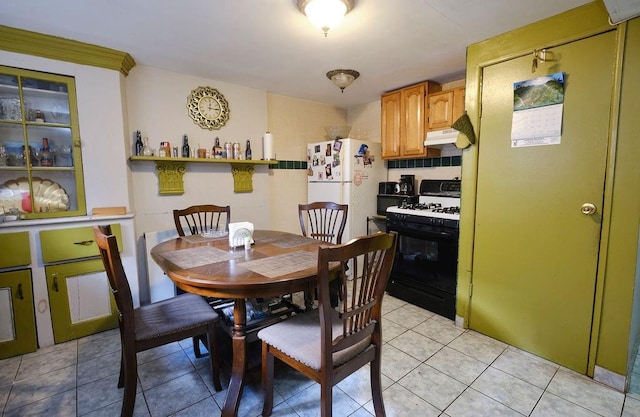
(238, 232)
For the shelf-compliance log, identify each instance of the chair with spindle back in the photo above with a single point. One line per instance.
(328, 344)
(152, 325)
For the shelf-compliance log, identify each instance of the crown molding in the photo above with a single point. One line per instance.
(47, 46)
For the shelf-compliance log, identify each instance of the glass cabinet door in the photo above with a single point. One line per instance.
(40, 158)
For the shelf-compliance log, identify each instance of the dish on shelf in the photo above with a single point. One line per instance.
(48, 196)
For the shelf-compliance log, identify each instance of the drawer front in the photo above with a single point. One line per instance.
(72, 243)
(14, 249)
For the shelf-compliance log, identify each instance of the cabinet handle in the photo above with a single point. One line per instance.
(55, 283)
(19, 293)
(84, 242)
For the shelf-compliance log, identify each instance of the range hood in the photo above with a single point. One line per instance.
(441, 137)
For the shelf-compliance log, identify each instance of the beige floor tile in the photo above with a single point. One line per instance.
(508, 390)
(439, 330)
(433, 386)
(457, 365)
(358, 385)
(480, 348)
(631, 407)
(396, 363)
(582, 390)
(400, 402)
(553, 406)
(408, 316)
(471, 403)
(391, 330)
(525, 367)
(416, 345)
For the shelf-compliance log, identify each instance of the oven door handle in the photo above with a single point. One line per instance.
(425, 234)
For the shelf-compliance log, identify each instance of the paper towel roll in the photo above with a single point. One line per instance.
(267, 146)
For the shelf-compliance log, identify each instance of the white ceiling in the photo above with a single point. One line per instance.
(269, 45)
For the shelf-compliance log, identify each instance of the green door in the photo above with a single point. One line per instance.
(535, 253)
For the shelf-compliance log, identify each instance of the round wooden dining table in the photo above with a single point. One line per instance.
(277, 263)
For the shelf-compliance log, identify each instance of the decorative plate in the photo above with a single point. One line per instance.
(48, 196)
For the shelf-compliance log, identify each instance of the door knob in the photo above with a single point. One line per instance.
(588, 209)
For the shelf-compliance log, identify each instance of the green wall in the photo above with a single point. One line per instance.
(618, 257)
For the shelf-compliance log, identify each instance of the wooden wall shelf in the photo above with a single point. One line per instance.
(171, 170)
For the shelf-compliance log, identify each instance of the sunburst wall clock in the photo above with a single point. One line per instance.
(208, 108)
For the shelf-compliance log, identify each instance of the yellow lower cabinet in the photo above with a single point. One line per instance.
(80, 299)
(17, 318)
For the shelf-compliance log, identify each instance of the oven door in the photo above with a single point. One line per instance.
(426, 256)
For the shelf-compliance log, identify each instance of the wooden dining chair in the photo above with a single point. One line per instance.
(152, 325)
(328, 344)
(198, 219)
(323, 220)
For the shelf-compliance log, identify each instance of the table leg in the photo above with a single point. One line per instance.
(239, 344)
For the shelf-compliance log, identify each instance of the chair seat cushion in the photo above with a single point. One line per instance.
(299, 338)
(173, 315)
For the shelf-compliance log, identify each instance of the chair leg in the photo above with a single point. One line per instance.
(326, 398)
(196, 347)
(267, 380)
(130, 385)
(376, 385)
(214, 357)
(121, 377)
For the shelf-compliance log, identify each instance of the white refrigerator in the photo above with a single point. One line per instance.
(346, 171)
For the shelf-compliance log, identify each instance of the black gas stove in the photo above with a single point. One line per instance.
(425, 267)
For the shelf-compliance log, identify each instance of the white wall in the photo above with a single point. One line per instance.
(157, 106)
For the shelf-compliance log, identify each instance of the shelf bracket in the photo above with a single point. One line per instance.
(242, 178)
(170, 181)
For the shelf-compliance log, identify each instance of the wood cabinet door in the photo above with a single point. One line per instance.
(458, 104)
(80, 299)
(440, 110)
(412, 130)
(391, 124)
(535, 258)
(17, 317)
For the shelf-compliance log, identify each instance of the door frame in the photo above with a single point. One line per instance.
(565, 28)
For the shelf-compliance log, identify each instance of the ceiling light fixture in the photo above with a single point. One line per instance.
(342, 77)
(325, 14)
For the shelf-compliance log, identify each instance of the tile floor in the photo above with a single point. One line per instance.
(430, 367)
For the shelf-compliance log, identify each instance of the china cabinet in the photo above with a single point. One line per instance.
(40, 158)
(404, 122)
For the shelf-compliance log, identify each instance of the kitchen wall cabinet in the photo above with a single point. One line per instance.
(79, 294)
(404, 122)
(444, 108)
(39, 180)
(17, 319)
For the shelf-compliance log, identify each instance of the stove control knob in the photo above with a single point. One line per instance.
(588, 209)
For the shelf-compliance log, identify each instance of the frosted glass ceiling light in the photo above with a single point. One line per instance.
(325, 14)
(342, 77)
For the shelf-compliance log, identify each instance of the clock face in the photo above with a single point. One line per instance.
(208, 108)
